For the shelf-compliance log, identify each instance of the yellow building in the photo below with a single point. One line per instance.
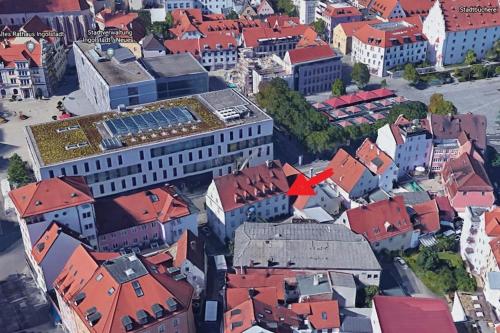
(342, 35)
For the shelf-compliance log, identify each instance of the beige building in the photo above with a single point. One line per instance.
(342, 35)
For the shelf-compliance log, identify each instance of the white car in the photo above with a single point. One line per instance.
(401, 261)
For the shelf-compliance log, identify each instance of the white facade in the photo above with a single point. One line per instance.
(326, 197)
(365, 184)
(219, 58)
(104, 95)
(387, 179)
(194, 275)
(224, 223)
(414, 151)
(306, 10)
(157, 162)
(380, 59)
(450, 47)
(375, 321)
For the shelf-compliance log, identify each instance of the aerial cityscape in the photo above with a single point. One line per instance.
(250, 166)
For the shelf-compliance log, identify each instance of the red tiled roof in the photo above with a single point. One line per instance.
(253, 280)
(311, 53)
(457, 21)
(446, 211)
(413, 315)
(110, 289)
(350, 27)
(251, 185)
(282, 20)
(10, 53)
(197, 46)
(161, 204)
(347, 171)
(376, 160)
(322, 315)
(190, 247)
(495, 249)
(43, 245)
(289, 170)
(384, 8)
(251, 36)
(465, 174)
(236, 296)
(420, 7)
(41, 6)
(359, 97)
(372, 35)
(492, 222)
(333, 11)
(50, 194)
(428, 216)
(381, 219)
(451, 127)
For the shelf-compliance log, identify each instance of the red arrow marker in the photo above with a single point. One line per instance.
(304, 186)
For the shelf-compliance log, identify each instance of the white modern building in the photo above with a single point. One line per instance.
(66, 200)
(204, 135)
(451, 32)
(252, 194)
(383, 46)
(408, 144)
(306, 10)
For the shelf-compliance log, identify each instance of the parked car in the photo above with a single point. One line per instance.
(401, 261)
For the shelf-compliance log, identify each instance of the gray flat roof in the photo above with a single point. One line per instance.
(307, 286)
(173, 65)
(112, 71)
(302, 246)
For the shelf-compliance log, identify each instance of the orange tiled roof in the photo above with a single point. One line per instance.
(376, 160)
(492, 222)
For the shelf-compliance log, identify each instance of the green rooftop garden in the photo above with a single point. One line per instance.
(52, 145)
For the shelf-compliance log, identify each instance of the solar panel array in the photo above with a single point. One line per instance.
(150, 121)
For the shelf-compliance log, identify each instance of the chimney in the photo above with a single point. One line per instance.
(315, 280)
(269, 163)
(311, 172)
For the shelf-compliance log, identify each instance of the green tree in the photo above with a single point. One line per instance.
(161, 28)
(284, 7)
(497, 70)
(492, 54)
(464, 281)
(360, 74)
(232, 15)
(338, 88)
(383, 83)
(445, 244)
(410, 110)
(439, 105)
(319, 26)
(17, 172)
(410, 73)
(145, 18)
(447, 279)
(370, 293)
(479, 71)
(428, 259)
(470, 57)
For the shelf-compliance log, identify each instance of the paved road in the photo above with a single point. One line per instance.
(410, 283)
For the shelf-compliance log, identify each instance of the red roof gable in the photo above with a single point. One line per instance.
(10, 53)
(322, 315)
(41, 6)
(380, 220)
(451, 127)
(384, 8)
(197, 46)
(333, 11)
(350, 27)
(192, 248)
(254, 280)
(492, 222)
(376, 160)
(376, 35)
(251, 185)
(495, 249)
(420, 7)
(457, 21)
(111, 288)
(465, 174)
(161, 204)
(347, 171)
(413, 315)
(311, 53)
(282, 20)
(50, 195)
(428, 216)
(251, 36)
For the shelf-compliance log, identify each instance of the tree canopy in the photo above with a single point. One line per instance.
(161, 29)
(360, 74)
(338, 88)
(232, 15)
(17, 172)
(470, 57)
(410, 73)
(438, 105)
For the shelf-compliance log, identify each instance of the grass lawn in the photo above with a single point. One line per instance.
(434, 280)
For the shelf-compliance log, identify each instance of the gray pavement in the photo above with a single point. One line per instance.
(407, 279)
